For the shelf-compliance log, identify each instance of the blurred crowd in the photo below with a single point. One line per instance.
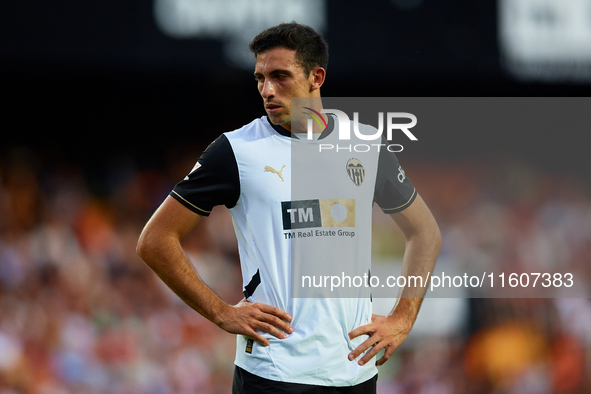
(81, 313)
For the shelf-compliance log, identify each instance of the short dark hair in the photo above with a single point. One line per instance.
(311, 48)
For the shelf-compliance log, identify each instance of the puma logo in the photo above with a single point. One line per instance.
(271, 169)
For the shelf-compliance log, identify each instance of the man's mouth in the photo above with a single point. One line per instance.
(272, 108)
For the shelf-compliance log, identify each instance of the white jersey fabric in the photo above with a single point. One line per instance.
(299, 212)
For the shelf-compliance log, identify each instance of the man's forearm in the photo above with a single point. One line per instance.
(160, 248)
(422, 248)
(419, 260)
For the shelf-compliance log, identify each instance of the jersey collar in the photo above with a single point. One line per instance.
(286, 133)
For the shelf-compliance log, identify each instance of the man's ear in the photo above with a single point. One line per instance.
(316, 78)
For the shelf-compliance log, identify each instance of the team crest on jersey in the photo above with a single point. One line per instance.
(356, 171)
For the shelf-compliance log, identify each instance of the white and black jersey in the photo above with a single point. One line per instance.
(291, 217)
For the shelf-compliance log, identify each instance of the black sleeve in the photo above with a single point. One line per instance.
(394, 191)
(213, 181)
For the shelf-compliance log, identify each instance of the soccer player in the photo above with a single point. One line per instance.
(294, 344)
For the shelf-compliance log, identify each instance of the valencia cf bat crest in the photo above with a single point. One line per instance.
(356, 171)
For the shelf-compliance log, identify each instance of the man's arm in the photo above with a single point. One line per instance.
(423, 242)
(159, 246)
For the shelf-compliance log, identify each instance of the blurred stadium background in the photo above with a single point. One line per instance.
(108, 104)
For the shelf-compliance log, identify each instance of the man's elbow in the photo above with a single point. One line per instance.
(432, 234)
(436, 238)
(429, 236)
(144, 245)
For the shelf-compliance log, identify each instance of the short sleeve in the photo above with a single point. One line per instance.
(394, 191)
(213, 181)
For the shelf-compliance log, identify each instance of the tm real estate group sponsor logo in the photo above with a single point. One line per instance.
(311, 216)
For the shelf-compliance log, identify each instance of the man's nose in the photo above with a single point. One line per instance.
(268, 90)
